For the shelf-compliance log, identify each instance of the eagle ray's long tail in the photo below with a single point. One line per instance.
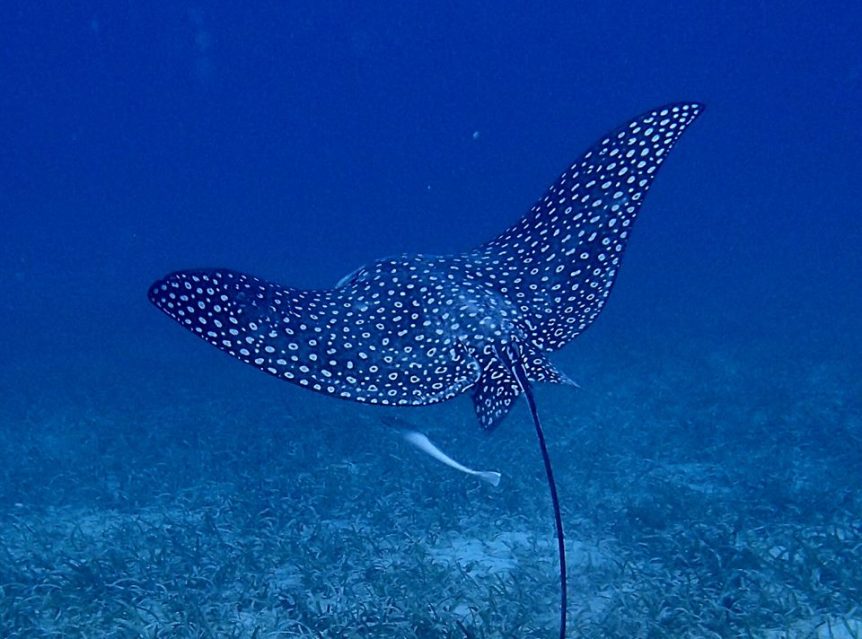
(524, 383)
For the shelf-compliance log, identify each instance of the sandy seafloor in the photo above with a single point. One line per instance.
(710, 488)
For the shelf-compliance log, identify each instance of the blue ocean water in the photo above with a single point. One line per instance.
(709, 467)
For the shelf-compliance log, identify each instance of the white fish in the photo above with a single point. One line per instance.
(424, 444)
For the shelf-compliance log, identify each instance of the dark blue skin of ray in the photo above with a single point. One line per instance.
(417, 330)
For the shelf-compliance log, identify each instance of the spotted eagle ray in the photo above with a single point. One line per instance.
(415, 330)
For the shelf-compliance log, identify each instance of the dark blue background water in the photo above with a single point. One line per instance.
(299, 140)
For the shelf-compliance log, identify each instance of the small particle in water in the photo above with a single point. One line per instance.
(476, 135)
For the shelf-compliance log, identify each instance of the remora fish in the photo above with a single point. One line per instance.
(424, 444)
